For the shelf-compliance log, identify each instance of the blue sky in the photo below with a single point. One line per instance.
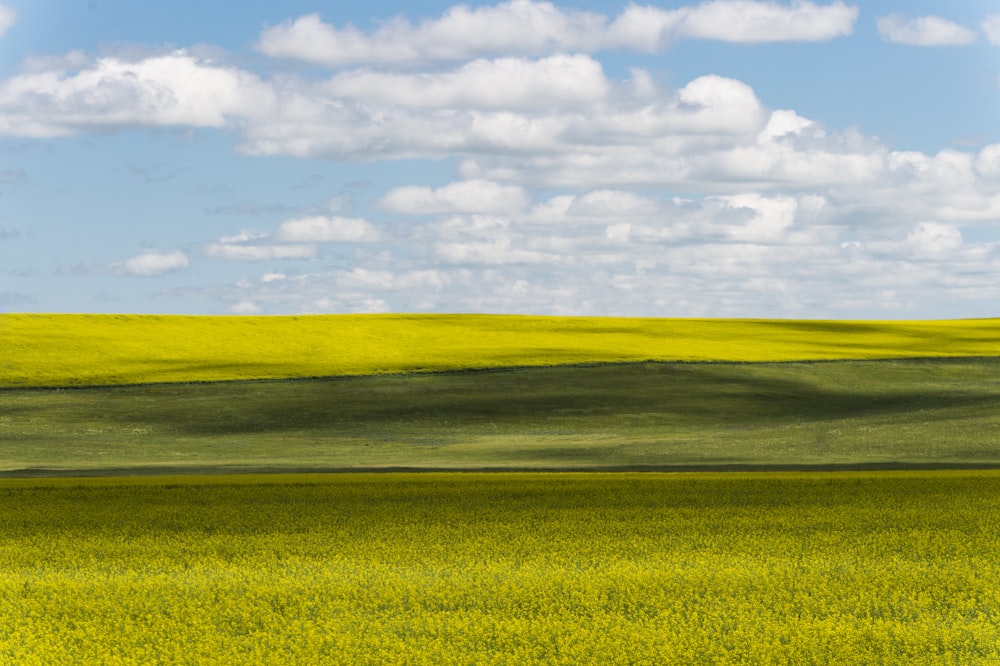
(722, 158)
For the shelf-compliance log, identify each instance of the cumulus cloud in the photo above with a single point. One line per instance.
(725, 138)
(933, 240)
(297, 238)
(708, 134)
(924, 31)
(525, 27)
(709, 111)
(991, 28)
(151, 263)
(747, 21)
(470, 196)
(171, 89)
(8, 17)
(558, 80)
(519, 26)
(604, 204)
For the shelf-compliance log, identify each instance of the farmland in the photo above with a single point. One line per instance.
(638, 416)
(207, 535)
(874, 567)
(88, 350)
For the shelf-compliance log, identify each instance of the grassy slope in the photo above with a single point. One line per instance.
(78, 350)
(941, 411)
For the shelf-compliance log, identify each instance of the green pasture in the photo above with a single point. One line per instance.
(638, 416)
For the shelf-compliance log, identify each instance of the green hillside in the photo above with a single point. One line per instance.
(666, 415)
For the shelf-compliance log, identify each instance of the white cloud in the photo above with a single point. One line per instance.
(702, 148)
(933, 240)
(256, 247)
(710, 136)
(8, 17)
(503, 83)
(516, 27)
(470, 196)
(708, 111)
(171, 89)
(493, 252)
(851, 252)
(991, 28)
(484, 240)
(320, 229)
(524, 27)
(151, 263)
(580, 193)
(387, 280)
(988, 162)
(608, 204)
(754, 22)
(260, 252)
(245, 307)
(924, 31)
(295, 239)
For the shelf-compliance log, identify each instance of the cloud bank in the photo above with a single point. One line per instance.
(528, 28)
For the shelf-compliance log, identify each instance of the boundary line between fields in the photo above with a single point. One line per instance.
(495, 369)
(222, 470)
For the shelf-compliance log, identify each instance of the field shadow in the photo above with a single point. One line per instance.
(449, 405)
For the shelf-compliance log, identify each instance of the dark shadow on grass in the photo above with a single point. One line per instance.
(572, 399)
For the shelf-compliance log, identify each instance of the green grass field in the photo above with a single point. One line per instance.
(769, 568)
(624, 416)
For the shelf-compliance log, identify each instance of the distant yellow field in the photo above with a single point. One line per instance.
(82, 350)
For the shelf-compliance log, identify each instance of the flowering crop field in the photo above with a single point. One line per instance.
(87, 350)
(568, 568)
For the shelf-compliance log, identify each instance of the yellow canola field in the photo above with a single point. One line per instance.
(81, 350)
(437, 569)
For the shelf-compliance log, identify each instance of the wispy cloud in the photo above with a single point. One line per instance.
(924, 31)
(991, 28)
(248, 246)
(250, 208)
(8, 17)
